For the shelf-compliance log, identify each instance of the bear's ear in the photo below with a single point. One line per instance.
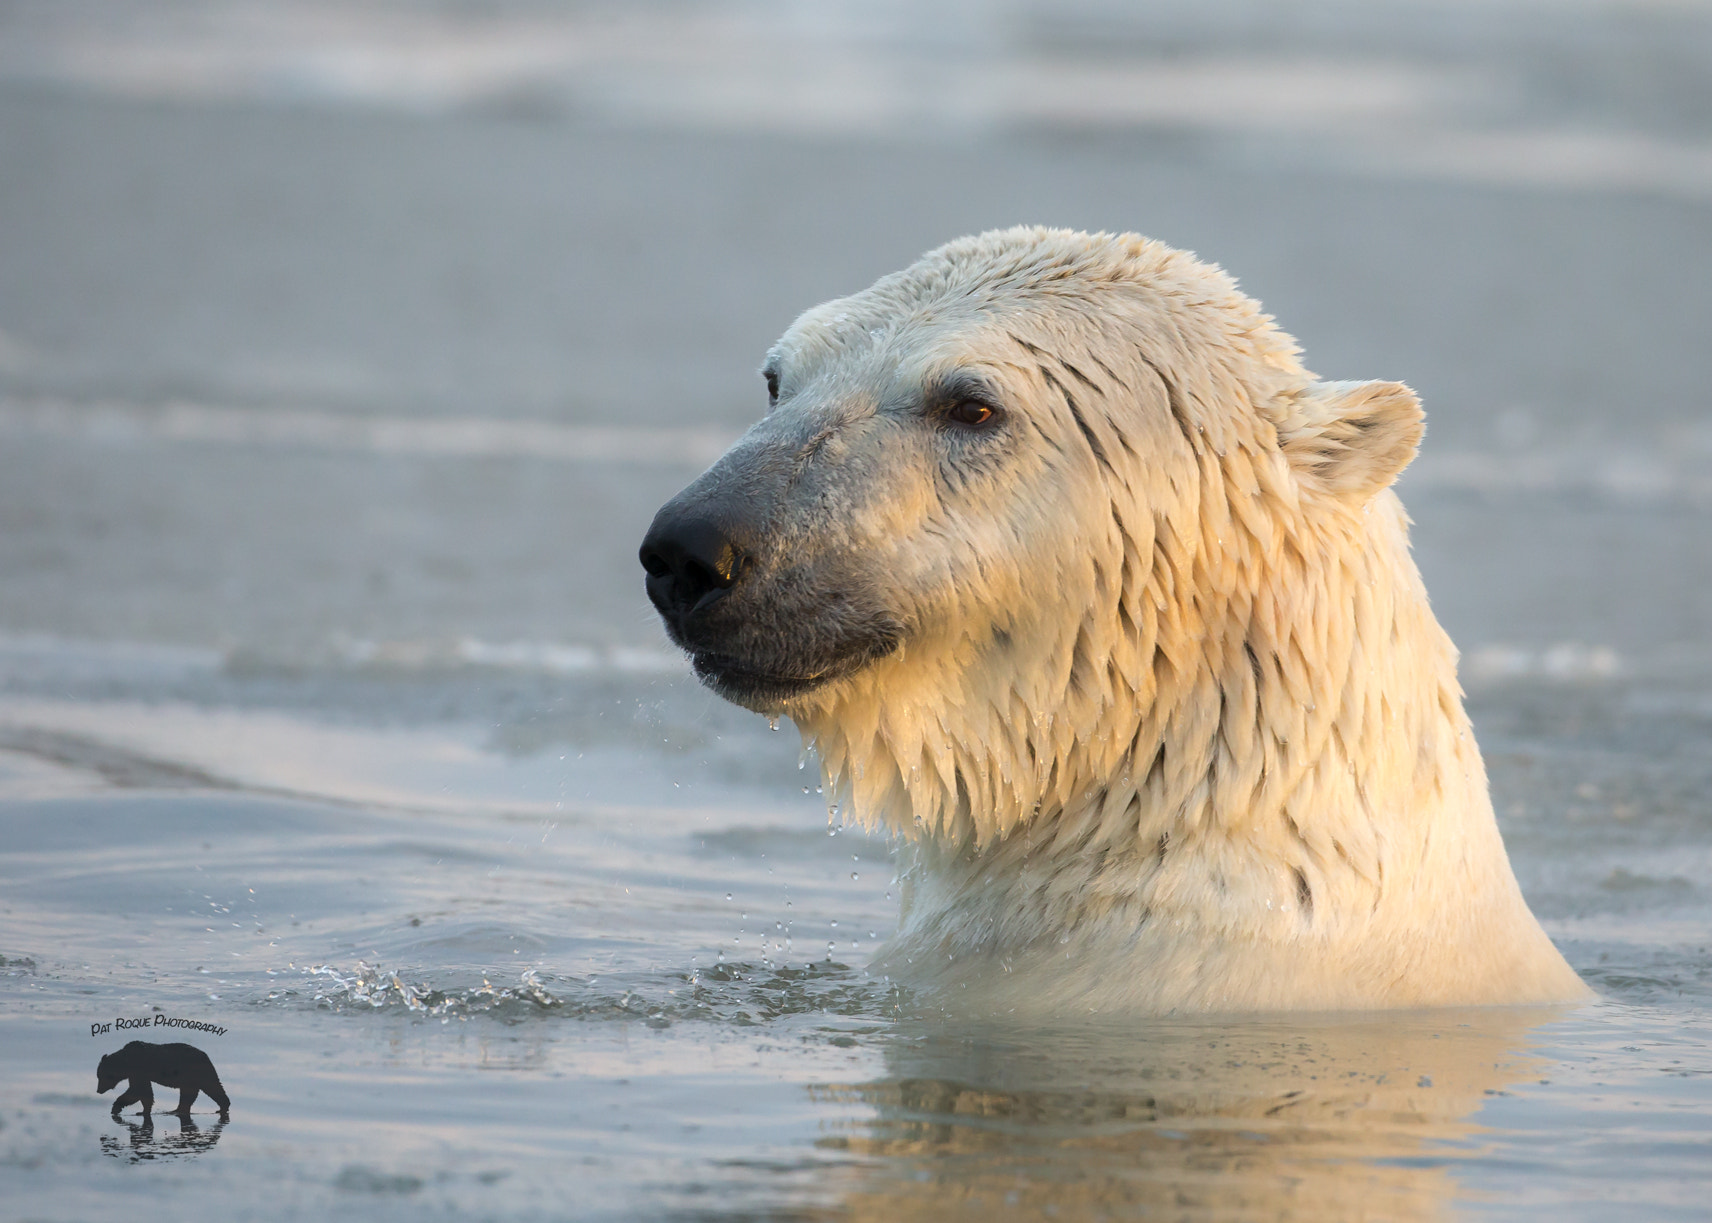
(1352, 438)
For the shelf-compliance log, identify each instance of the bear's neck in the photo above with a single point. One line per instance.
(1277, 750)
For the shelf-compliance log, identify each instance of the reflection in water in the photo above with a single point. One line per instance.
(191, 1139)
(1266, 1118)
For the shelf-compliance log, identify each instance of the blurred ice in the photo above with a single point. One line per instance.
(1588, 93)
(472, 437)
(1567, 660)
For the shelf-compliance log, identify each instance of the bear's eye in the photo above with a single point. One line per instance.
(970, 412)
(772, 377)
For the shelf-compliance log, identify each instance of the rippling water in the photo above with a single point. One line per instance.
(463, 971)
(345, 352)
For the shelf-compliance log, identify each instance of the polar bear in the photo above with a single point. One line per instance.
(1079, 582)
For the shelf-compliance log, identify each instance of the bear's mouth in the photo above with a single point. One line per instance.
(768, 690)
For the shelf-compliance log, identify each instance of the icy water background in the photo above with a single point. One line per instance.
(345, 352)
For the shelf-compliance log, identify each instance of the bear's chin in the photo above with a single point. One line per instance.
(758, 691)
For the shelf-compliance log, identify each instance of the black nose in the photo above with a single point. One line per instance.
(691, 562)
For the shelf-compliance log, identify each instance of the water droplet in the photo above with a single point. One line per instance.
(854, 876)
(772, 724)
(805, 789)
(728, 896)
(835, 925)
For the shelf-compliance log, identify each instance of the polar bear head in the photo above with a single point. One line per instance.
(1043, 510)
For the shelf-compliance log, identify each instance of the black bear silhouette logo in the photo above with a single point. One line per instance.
(182, 1066)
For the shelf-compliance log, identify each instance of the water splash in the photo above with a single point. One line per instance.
(740, 994)
(373, 988)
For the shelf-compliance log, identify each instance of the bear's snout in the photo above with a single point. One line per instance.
(763, 623)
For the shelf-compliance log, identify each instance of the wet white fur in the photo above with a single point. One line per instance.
(1173, 729)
